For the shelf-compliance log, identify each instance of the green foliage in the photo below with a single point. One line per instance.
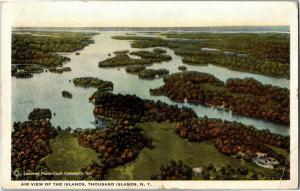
(122, 59)
(134, 68)
(262, 53)
(152, 73)
(246, 97)
(156, 56)
(267, 46)
(68, 156)
(170, 146)
(93, 82)
(40, 48)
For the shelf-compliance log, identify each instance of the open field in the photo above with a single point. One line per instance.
(169, 146)
(68, 155)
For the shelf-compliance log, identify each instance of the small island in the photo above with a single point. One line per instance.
(134, 69)
(60, 70)
(22, 74)
(87, 82)
(122, 58)
(66, 94)
(39, 113)
(152, 73)
(182, 68)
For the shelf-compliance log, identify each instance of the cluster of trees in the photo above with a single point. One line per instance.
(94, 171)
(39, 113)
(134, 69)
(41, 48)
(143, 42)
(232, 138)
(228, 172)
(135, 109)
(66, 94)
(30, 143)
(266, 54)
(121, 52)
(22, 74)
(158, 55)
(268, 46)
(174, 171)
(60, 70)
(243, 96)
(152, 73)
(247, 63)
(121, 58)
(87, 82)
(33, 68)
(120, 143)
(182, 68)
(271, 102)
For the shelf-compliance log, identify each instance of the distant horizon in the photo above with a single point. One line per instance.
(152, 26)
(250, 29)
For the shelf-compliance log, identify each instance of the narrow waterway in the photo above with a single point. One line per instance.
(44, 90)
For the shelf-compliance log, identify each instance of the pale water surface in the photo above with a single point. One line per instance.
(44, 90)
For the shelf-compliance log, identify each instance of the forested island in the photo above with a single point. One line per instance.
(122, 58)
(150, 127)
(34, 51)
(87, 82)
(266, 53)
(242, 96)
(123, 139)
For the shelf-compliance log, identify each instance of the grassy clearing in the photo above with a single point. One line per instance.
(169, 146)
(68, 155)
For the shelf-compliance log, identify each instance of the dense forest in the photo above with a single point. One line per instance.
(30, 143)
(37, 50)
(131, 131)
(266, 53)
(231, 138)
(122, 58)
(87, 82)
(246, 97)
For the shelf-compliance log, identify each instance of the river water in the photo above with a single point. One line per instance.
(44, 90)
